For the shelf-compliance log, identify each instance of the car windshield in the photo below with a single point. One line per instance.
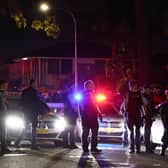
(110, 111)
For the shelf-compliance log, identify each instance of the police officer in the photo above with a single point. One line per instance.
(31, 106)
(150, 112)
(89, 115)
(3, 109)
(70, 115)
(134, 116)
(163, 109)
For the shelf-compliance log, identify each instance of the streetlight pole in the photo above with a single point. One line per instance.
(44, 8)
(75, 45)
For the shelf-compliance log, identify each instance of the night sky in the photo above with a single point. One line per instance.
(98, 20)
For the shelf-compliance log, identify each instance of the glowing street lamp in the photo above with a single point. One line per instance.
(44, 7)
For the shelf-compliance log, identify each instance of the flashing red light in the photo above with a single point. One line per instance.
(100, 97)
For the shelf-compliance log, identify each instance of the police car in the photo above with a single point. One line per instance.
(112, 127)
(49, 127)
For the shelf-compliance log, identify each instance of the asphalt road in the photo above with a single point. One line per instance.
(57, 157)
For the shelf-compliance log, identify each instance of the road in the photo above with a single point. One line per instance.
(113, 156)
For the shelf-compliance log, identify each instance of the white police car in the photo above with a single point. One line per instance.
(49, 127)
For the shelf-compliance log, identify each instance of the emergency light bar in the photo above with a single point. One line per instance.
(100, 97)
(78, 96)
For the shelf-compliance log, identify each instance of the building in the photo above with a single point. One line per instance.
(54, 71)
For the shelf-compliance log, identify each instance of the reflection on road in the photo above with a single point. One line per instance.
(113, 155)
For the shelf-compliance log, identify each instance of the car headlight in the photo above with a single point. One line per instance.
(121, 125)
(14, 122)
(60, 124)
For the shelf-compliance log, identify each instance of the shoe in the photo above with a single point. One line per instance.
(96, 150)
(162, 153)
(73, 146)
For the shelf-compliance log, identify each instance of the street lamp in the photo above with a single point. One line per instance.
(44, 7)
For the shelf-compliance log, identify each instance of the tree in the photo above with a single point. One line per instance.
(15, 9)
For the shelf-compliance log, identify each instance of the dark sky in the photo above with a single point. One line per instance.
(97, 22)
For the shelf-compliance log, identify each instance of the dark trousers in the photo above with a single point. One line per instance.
(3, 134)
(147, 134)
(69, 136)
(33, 121)
(85, 135)
(135, 136)
(165, 139)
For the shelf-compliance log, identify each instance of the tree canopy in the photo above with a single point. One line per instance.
(22, 14)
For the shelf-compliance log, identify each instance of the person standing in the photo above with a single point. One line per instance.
(70, 115)
(3, 110)
(163, 109)
(31, 105)
(134, 116)
(150, 112)
(89, 112)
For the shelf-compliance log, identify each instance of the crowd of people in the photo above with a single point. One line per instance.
(140, 106)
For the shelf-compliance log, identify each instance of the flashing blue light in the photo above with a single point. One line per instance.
(78, 96)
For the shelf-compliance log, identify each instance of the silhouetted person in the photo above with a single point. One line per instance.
(134, 116)
(89, 114)
(3, 111)
(149, 117)
(32, 105)
(70, 115)
(163, 109)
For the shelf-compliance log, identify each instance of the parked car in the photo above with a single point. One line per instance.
(49, 127)
(113, 129)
